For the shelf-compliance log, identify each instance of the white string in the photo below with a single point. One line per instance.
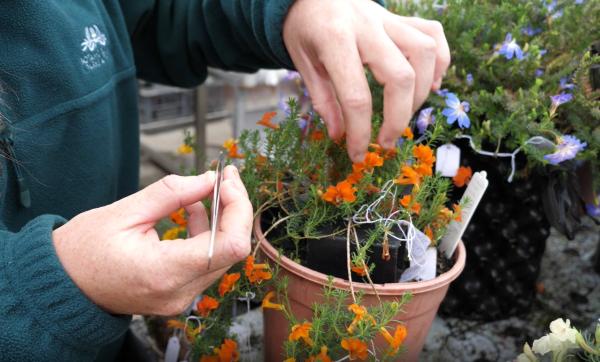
(368, 214)
(535, 140)
(249, 297)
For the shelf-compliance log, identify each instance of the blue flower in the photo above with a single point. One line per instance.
(543, 52)
(539, 72)
(441, 92)
(283, 105)
(567, 148)
(559, 99)
(469, 79)
(456, 110)
(593, 209)
(578, 2)
(425, 119)
(292, 75)
(510, 48)
(530, 30)
(564, 84)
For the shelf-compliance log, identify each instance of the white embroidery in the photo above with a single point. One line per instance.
(94, 49)
(93, 37)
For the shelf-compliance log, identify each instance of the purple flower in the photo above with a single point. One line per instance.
(543, 52)
(469, 79)
(567, 148)
(441, 92)
(530, 30)
(283, 106)
(593, 209)
(292, 75)
(425, 119)
(510, 48)
(578, 2)
(564, 84)
(456, 111)
(559, 99)
(539, 72)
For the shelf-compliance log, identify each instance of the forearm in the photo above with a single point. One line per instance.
(174, 41)
(40, 303)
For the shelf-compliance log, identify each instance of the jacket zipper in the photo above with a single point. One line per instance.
(6, 143)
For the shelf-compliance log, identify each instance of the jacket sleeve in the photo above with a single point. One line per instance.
(39, 302)
(174, 41)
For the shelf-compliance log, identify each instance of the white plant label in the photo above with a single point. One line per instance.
(447, 160)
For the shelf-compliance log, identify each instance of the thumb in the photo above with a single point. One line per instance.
(165, 196)
(232, 242)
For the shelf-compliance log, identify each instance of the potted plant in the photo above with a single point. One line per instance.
(520, 101)
(349, 263)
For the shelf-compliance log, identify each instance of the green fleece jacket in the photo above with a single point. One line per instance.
(69, 137)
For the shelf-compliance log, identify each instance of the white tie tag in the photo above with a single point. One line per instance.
(447, 160)
(172, 351)
(423, 259)
(472, 196)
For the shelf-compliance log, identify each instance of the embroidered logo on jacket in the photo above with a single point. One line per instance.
(93, 48)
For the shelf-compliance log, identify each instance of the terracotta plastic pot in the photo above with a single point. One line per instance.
(305, 287)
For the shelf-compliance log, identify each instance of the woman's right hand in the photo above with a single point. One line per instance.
(114, 255)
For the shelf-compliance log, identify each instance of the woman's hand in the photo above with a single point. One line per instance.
(115, 257)
(330, 41)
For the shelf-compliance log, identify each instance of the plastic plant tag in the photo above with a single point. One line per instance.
(470, 199)
(172, 351)
(447, 160)
(423, 259)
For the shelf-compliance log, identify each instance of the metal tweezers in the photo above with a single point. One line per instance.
(214, 207)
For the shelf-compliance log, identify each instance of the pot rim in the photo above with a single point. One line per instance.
(382, 289)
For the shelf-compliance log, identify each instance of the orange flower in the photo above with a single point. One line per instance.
(386, 154)
(408, 203)
(300, 331)
(457, 212)
(356, 348)
(355, 177)
(359, 269)
(408, 176)
(424, 154)
(429, 233)
(463, 176)
(228, 283)
(206, 305)
(175, 324)
(395, 341)
(228, 351)
(185, 149)
(360, 313)
(322, 356)
(256, 273)
(423, 169)
(408, 133)
(178, 217)
(231, 146)
(266, 120)
(343, 191)
(372, 160)
(317, 135)
(266, 303)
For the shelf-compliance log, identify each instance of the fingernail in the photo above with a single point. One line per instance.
(357, 157)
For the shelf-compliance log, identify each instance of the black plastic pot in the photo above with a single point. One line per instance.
(505, 242)
(328, 255)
